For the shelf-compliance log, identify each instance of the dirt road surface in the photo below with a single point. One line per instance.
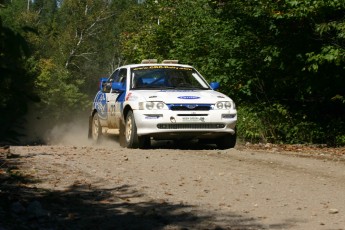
(171, 186)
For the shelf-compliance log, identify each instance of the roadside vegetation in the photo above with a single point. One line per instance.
(283, 62)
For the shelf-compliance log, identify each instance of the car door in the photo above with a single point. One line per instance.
(101, 98)
(112, 99)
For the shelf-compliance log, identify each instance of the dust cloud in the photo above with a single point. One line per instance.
(76, 133)
(42, 131)
(72, 133)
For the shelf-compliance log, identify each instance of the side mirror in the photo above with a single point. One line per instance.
(214, 85)
(101, 83)
(118, 86)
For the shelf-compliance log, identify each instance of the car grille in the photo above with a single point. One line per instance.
(191, 126)
(189, 107)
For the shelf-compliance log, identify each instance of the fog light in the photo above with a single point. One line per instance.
(228, 116)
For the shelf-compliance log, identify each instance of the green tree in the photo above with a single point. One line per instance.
(16, 82)
(70, 52)
(297, 66)
(283, 58)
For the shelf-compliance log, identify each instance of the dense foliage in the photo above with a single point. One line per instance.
(283, 62)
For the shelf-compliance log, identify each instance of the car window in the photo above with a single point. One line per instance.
(118, 76)
(113, 76)
(122, 76)
(107, 85)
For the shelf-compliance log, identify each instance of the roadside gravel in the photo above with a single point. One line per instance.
(185, 186)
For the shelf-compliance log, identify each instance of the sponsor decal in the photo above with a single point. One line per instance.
(162, 67)
(100, 104)
(188, 97)
(128, 96)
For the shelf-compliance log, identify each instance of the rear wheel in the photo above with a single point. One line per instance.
(226, 142)
(132, 140)
(122, 138)
(96, 128)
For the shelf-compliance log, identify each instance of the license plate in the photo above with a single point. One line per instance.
(193, 119)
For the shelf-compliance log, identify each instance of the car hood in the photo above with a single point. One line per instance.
(183, 96)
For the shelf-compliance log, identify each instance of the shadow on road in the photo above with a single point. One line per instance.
(82, 206)
(170, 144)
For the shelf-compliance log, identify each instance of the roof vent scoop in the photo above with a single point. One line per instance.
(170, 62)
(149, 61)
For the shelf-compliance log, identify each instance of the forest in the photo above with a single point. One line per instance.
(281, 61)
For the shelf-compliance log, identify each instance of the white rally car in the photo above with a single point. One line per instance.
(166, 101)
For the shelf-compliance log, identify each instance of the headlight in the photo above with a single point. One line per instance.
(219, 105)
(227, 105)
(223, 105)
(151, 105)
(160, 105)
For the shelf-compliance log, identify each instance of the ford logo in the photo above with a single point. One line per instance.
(188, 97)
(191, 106)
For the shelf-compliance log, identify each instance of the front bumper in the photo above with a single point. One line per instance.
(185, 124)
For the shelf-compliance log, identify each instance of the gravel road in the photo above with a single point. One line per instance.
(172, 186)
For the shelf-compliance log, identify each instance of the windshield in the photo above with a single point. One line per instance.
(166, 77)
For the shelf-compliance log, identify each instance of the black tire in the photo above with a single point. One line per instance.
(226, 142)
(96, 128)
(132, 140)
(122, 138)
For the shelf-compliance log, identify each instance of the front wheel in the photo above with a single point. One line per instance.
(226, 142)
(131, 138)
